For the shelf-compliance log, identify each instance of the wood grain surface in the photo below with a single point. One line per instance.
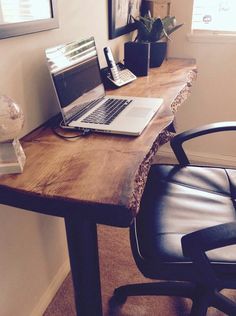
(100, 177)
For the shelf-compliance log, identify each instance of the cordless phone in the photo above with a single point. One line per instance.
(116, 75)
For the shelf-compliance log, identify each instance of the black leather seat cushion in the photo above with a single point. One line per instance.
(177, 201)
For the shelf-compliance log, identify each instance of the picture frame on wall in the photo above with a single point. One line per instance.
(120, 14)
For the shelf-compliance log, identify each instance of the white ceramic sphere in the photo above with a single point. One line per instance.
(11, 119)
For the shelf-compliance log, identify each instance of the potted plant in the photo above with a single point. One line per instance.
(155, 31)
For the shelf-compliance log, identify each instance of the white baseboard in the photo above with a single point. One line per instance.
(51, 290)
(220, 160)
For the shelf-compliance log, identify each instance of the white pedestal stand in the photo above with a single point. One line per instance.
(12, 157)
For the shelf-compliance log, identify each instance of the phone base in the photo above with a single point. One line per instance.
(105, 74)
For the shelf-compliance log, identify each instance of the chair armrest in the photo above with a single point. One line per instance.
(209, 238)
(178, 140)
(195, 245)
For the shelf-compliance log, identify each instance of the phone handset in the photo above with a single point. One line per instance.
(111, 64)
(118, 76)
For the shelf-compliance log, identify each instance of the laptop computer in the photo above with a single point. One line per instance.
(80, 93)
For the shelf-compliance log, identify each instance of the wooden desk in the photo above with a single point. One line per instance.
(96, 179)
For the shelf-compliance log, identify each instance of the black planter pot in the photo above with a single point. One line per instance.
(157, 53)
(137, 57)
(140, 56)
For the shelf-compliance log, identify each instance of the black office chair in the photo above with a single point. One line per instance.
(187, 215)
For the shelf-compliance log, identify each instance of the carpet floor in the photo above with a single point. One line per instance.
(117, 267)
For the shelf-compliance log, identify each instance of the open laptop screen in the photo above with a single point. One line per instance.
(76, 75)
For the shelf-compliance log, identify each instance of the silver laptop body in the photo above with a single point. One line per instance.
(80, 93)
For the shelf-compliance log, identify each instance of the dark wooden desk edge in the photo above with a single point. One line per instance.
(161, 139)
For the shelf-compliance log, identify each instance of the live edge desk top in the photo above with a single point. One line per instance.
(99, 177)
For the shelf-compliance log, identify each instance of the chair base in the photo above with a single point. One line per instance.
(202, 298)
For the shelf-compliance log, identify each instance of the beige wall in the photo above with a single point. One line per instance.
(32, 246)
(214, 94)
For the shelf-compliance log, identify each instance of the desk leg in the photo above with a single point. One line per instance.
(84, 261)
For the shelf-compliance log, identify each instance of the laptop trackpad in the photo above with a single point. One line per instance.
(138, 112)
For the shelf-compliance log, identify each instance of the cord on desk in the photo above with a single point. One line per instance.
(82, 133)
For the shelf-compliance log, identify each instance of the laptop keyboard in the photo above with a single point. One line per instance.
(107, 112)
(78, 112)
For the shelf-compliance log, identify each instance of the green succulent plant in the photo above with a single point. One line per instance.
(154, 29)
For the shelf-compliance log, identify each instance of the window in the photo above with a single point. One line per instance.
(18, 17)
(214, 15)
(23, 10)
